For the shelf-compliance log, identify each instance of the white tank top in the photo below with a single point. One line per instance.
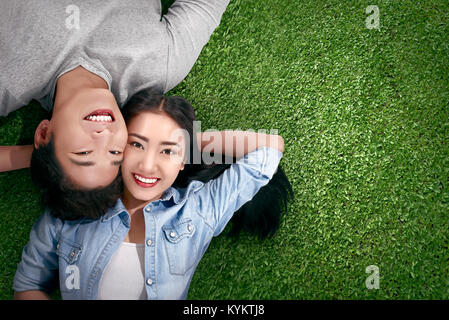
(124, 276)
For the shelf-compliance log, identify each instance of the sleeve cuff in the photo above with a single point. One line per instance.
(265, 160)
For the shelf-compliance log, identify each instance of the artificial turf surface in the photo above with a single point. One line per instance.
(365, 118)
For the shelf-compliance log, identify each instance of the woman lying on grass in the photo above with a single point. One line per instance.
(149, 244)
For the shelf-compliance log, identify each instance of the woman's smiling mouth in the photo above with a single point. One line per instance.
(145, 182)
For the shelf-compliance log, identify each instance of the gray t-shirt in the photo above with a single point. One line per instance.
(127, 43)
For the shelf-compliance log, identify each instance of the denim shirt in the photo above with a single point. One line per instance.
(178, 230)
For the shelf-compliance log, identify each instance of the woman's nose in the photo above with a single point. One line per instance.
(148, 164)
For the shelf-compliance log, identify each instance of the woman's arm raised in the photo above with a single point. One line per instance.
(237, 143)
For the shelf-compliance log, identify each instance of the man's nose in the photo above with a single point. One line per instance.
(100, 133)
(102, 138)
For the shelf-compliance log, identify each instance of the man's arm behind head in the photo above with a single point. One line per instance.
(15, 157)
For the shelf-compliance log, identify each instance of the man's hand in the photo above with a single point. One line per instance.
(15, 157)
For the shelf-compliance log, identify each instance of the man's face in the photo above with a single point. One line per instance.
(89, 137)
(153, 157)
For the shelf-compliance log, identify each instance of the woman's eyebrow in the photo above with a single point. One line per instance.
(139, 136)
(168, 143)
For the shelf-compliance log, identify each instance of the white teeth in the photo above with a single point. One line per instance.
(142, 179)
(100, 118)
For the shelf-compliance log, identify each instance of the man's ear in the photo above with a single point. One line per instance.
(182, 166)
(42, 134)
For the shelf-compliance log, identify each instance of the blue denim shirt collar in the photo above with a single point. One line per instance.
(118, 208)
(178, 195)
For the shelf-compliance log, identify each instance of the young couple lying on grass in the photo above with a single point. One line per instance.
(141, 215)
(163, 211)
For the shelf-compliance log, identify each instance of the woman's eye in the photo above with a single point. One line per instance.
(114, 152)
(83, 153)
(168, 151)
(136, 144)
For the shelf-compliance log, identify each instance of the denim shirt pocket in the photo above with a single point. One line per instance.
(68, 250)
(180, 246)
(69, 273)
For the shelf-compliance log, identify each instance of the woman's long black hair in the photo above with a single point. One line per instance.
(262, 215)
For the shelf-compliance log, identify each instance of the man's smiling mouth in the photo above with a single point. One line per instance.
(100, 116)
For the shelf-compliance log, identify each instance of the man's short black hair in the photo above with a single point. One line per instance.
(61, 196)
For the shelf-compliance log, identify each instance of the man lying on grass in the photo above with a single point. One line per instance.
(82, 62)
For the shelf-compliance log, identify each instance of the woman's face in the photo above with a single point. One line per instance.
(153, 157)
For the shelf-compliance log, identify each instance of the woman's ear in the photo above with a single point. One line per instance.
(42, 134)
(182, 166)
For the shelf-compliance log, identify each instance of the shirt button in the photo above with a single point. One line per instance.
(149, 242)
(189, 227)
(149, 282)
(172, 234)
(148, 209)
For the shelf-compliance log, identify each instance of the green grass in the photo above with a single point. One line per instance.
(365, 118)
